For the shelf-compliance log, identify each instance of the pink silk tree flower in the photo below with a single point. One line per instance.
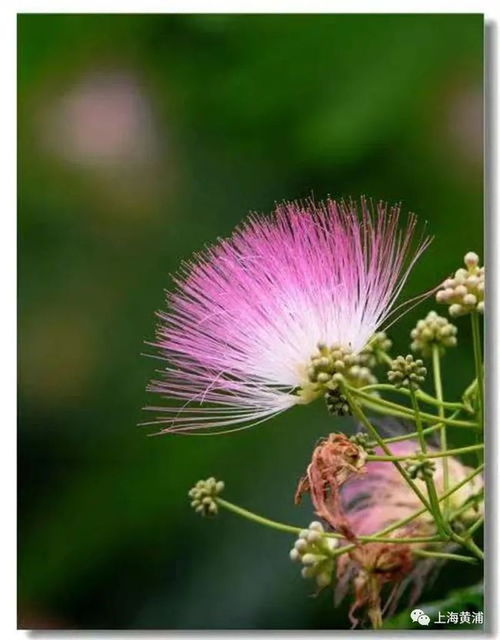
(250, 312)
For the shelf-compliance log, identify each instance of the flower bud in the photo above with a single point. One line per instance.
(421, 469)
(315, 551)
(294, 555)
(465, 291)
(407, 372)
(434, 330)
(373, 353)
(335, 364)
(457, 310)
(203, 496)
(323, 579)
(471, 259)
(469, 300)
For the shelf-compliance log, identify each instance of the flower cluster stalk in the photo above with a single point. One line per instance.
(431, 487)
(295, 529)
(380, 536)
(427, 456)
(426, 398)
(436, 367)
(478, 360)
(445, 556)
(357, 411)
(391, 408)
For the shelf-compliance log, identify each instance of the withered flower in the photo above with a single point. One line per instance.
(334, 461)
(358, 498)
(371, 566)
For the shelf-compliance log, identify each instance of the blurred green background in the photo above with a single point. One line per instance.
(141, 138)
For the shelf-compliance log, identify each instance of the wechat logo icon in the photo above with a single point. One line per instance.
(417, 615)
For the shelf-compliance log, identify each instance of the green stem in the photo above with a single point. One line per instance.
(376, 537)
(439, 402)
(469, 544)
(288, 528)
(418, 422)
(368, 425)
(478, 359)
(413, 434)
(249, 515)
(387, 411)
(374, 402)
(439, 454)
(401, 523)
(416, 540)
(470, 391)
(472, 530)
(436, 369)
(475, 549)
(444, 556)
(421, 395)
(416, 514)
(385, 357)
(429, 481)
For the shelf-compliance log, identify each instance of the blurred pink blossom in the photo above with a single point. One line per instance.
(102, 119)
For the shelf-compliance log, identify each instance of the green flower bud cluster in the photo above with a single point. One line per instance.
(330, 365)
(421, 469)
(359, 376)
(407, 372)
(433, 330)
(465, 291)
(314, 550)
(372, 354)
(330, 361)
(203, 496)
(337, 403)
(363, 440)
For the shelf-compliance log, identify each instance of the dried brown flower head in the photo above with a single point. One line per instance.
(377, 564)
(334, 461)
